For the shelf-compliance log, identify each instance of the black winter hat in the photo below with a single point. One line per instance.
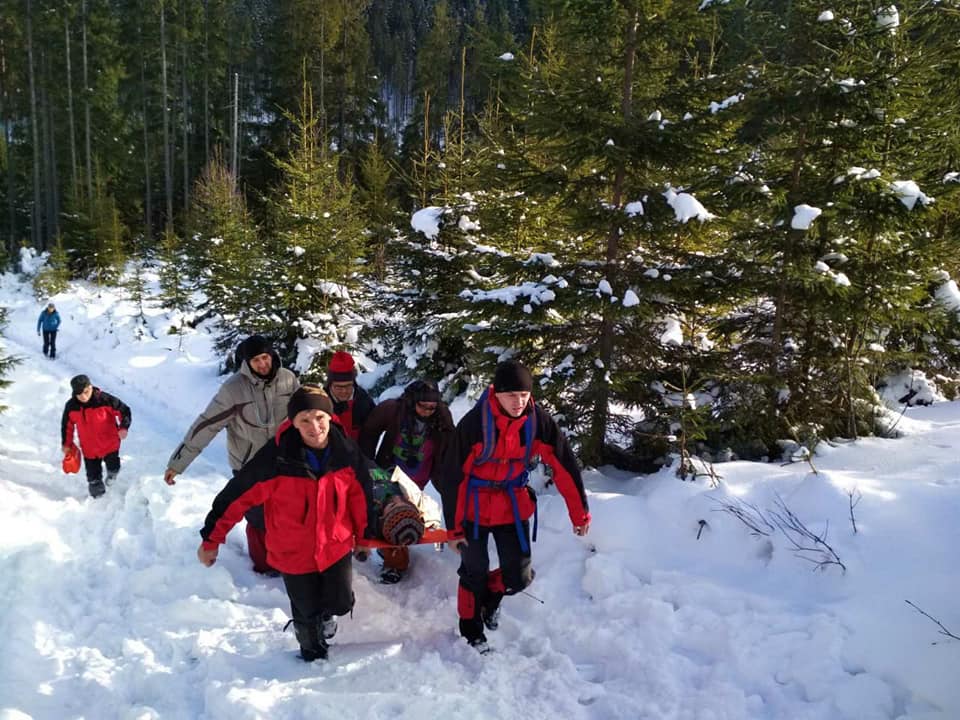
(309, 397)
(253, 346)
(422, 391)
(511, 376)
(78, 383)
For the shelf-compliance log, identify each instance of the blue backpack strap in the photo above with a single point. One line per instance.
(488, 428)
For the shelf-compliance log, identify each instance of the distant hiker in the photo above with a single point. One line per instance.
(485, 493)
(101, 422)
(49, 323)
(314, 485)
(351, 403)
(251, 405)
(416, 428)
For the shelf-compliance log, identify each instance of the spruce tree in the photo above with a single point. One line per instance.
(225, 258)
(7, 362)
(318, 238)
(837, 106)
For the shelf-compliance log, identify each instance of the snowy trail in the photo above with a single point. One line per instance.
(107, 613)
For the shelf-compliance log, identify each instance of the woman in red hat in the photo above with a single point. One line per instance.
(351, 403)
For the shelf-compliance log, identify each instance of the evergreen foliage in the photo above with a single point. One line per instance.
(7, 362)
(318, 237)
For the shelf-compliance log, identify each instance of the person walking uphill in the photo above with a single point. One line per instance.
(485, 493)
(416, 429)
(101, 421)
(315, 489)
(251, 405)
(48, 323)
(351, 403)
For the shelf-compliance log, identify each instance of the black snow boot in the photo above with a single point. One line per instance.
(313, 646)
(96, 488)
(111, 476)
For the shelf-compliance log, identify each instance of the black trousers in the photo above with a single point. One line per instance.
(50, 343)
(318, 594)
(480, 590)
(94, 466)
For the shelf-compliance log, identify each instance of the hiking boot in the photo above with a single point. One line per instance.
(313, 646)
(111, 476)
(390, 576)
(96, 488)
(480, 645)
(490, 617)
(328, 626)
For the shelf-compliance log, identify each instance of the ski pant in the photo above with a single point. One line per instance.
(317, 594)
(50, 343)
(257, 548)
(480, 590)
(94, 466)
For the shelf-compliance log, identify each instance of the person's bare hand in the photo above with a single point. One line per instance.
(207, 557)
(168, 477)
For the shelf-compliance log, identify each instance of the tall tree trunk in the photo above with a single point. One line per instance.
(323, 55)
(86, 106)
(147, 182)
(51, 190)
(5, 117)
(206, 82)
(164, 99)
(601, 393)
(185, 114)
(235, 144)
(35, 235)
(74, 172)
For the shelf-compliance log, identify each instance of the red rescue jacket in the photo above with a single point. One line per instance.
(97, 422)
(506, 462)
(312, 520)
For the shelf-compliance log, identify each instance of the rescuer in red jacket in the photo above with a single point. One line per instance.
(485, 494)
(101, 421)
(314, 485)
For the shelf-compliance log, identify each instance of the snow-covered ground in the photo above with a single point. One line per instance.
(105, 611)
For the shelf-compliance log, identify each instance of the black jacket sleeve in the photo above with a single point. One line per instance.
(118, 405)
(373, 427)
(235, 497)
(458, 450)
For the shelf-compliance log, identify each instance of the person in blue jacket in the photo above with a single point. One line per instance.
(49, 323)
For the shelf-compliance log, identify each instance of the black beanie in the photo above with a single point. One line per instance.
(309, 397)
(511, 376)
(78, 384)
(422, 391)
(255, 345)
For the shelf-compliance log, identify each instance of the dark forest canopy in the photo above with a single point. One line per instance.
(267, 158)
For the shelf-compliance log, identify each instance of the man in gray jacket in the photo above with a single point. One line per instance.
(251, 404)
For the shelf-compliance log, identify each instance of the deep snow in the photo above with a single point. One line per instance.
(106, 612)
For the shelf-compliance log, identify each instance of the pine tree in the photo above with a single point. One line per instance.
(54, 277)
(836, 108)
(7, 362)
(319, 237)
(573, 194)
(225, 257)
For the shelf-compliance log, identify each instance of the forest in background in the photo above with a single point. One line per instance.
(709, 227)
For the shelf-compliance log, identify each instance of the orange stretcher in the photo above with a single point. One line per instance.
(430, 537)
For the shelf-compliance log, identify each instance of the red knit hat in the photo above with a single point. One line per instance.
(341, 367)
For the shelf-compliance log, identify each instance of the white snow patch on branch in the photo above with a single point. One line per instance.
(909, 193)
(686, 207)
(427, 221)
(803, 216)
